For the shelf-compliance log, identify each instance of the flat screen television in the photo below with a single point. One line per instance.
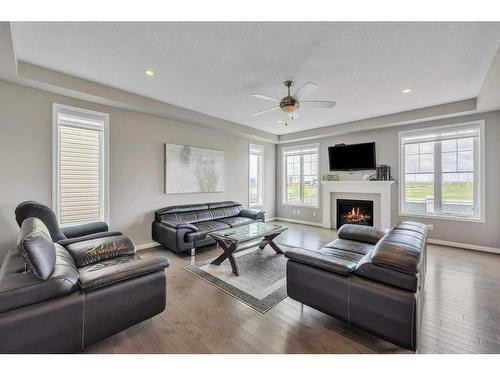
(359, 156)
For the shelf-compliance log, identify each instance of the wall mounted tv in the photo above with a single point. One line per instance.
(359, 156)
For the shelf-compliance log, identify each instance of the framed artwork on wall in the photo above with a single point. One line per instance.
(193, 169)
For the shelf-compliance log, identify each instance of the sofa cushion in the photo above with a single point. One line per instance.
(118, 269)
(37, 247)
(361, 233)
(402, 249)
(221, 213)
(223, 204)
(19, 288)
(385, 275)
(204, 228)
(352, 246)
(333, 260)
(34, 209)
(236, 221)
(162, 212)
(100, 249)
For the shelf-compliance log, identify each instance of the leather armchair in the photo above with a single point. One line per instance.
(94, 289)
(369, 277)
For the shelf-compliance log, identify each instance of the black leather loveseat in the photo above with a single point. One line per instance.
(63, 296)
(185, 228)
(369, 277)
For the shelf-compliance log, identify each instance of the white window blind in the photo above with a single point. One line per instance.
(255, 175)
(441, 172)
(300, 175)
(80, 168)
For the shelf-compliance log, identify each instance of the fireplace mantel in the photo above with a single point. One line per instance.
(384, 188)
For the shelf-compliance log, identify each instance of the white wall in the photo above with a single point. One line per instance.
(482, 234)
(136, 161)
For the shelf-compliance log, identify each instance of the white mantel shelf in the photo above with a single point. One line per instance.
(384, 188)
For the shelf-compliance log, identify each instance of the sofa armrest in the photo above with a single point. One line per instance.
(174, 239)
(361, 233)
(324, 261)
(85, 229)
(252, 214)
(179, 225)
(93, 278)
(97, 250)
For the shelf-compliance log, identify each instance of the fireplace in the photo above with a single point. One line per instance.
(350, 211)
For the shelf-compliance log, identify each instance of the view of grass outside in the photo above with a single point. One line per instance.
(310, 193)
(452, 191)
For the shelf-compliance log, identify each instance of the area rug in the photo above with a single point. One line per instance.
(261, 284)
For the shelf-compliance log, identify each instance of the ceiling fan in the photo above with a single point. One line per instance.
(290, 104)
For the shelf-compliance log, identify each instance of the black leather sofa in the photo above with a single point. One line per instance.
(58, 297)
(185, 228)
(369, 277)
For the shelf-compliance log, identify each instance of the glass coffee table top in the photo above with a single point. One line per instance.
(230, 239)
(247, 232)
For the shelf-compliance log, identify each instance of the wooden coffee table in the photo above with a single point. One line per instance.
(231, 239)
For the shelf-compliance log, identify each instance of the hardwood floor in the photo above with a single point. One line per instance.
(461, 312)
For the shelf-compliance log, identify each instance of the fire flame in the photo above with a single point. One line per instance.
(356, 216)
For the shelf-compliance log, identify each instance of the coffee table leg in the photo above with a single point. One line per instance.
(268, 240)
(228, 254)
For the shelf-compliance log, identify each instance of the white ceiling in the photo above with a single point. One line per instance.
(213, 67)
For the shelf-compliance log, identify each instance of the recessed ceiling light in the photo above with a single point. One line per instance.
(149, 72)
(406, 91)
(279, 121)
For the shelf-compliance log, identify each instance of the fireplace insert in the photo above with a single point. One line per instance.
(350, 211)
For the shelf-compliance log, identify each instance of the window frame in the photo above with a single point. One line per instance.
(259, 149)
(299, 148)
(56, 109)
(479, 173)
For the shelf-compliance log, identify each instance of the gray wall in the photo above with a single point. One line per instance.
(136, 161)
(483, 234)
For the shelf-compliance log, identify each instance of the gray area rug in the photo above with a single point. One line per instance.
(261, 284)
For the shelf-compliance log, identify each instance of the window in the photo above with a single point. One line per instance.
(79, 165)
(255, 175)
(300, 171)
(441, 172)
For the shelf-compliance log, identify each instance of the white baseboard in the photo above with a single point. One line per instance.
(464, 245)
(147, 245)
(296, 221)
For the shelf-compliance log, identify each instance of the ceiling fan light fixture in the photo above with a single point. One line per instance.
(289, 109)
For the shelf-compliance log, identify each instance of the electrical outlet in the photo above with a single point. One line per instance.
(314, 213)
(298, 212)
(431, 226)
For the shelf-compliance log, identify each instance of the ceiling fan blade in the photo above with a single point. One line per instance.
(265, 111)
(319, 104)
(265, 97)
(306, 90)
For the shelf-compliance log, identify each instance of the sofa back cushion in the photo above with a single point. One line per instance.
(167, 213)
(224, 212)
(398, 259)
(361, 233)
(198, 213)
(36, 246)
(402, 249)
(34, 209)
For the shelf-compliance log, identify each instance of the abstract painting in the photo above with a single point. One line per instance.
(193, 170)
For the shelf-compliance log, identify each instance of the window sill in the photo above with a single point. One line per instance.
(443, 217)
(299, 205)
(251, 205)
